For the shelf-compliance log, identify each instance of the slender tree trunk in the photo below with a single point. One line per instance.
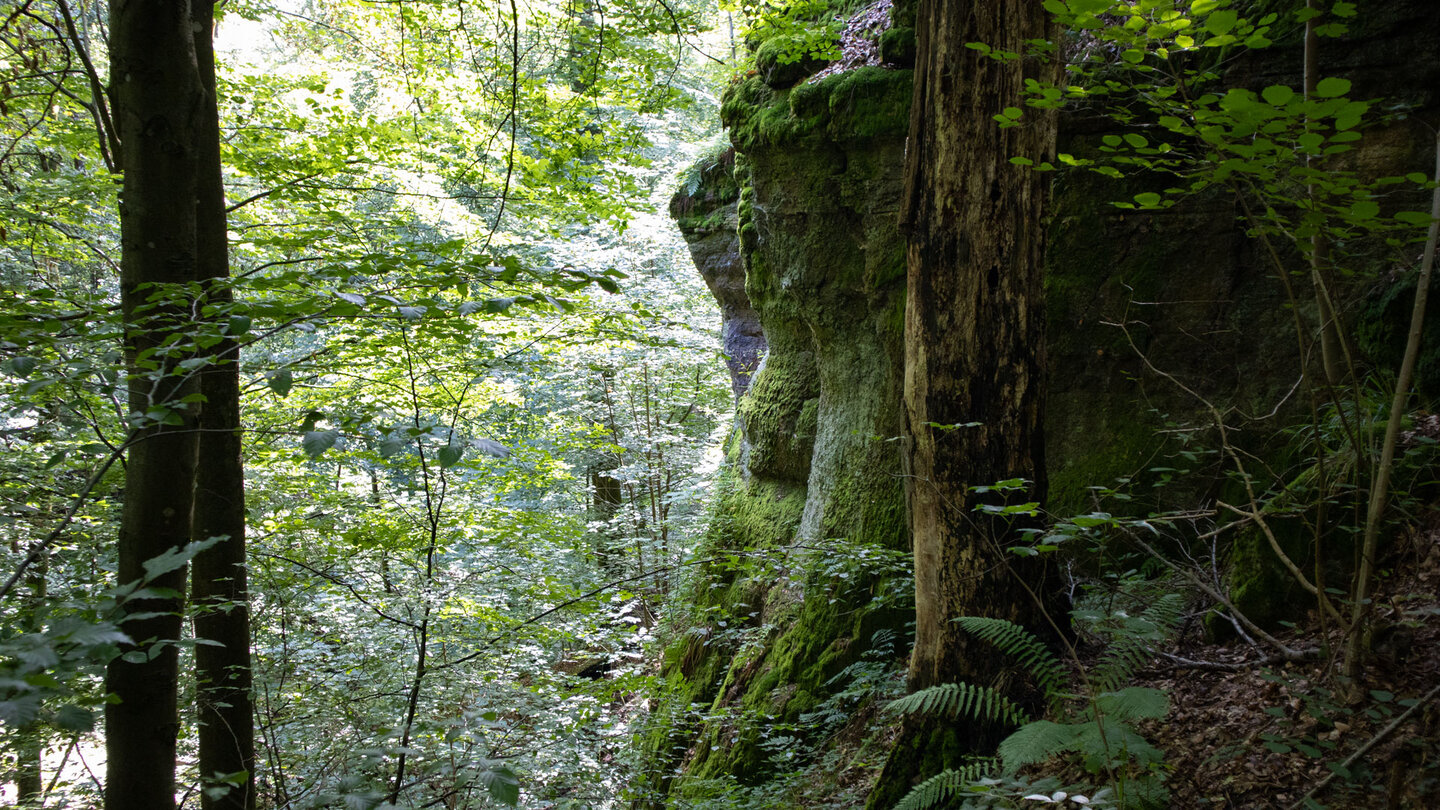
(225, 713)
(30, 742)
(974, 329)
(155, 90)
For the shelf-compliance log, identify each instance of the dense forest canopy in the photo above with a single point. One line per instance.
(1046, 424)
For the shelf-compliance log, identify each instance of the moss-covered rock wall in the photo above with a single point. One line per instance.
(811, 501)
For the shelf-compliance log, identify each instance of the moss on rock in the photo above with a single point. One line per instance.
(869, 102)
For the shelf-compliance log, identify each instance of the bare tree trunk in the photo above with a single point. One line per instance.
(974, 326)
(974, 348)
(225, 714)
(155, 89)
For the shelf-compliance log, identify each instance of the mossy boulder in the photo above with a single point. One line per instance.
(813, 491)
(706, 208)
(897, 47)
(784, 61)
(861, 104)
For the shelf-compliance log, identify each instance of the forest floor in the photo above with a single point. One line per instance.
(1244, 734)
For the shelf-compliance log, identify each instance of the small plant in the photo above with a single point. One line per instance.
(1095, 725)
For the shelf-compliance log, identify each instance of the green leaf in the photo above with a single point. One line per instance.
(502, 784)
(1221, 21)
(237, 326)
(491, 448)
(75, 718)
(24, 366)
(1277, 95)
(316, 442)
(1414, 217)
(1134, 703)
(1036, 742)
(1332, 87)
(391, 445)
(308, 423)
(280, 381)
(1365, 209)
(450, 455)
(176, 558)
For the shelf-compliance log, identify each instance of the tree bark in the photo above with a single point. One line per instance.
(155, 91)
(974, 328)
(974, 349)
(30, 742)
(218, 578)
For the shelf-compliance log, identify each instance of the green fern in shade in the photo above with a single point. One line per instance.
(1022, 645)
(1098, 731)
(961, 700)
(942, 789)
(1132, 639)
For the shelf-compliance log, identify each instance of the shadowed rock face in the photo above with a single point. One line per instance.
(709, 221)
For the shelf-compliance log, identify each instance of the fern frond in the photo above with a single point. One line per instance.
(1120, 661)
(961, 700)
(1134, 703)
(946, 785)
(1021, 644)
(1133, 643)
(1166, 612)
(1038, 741)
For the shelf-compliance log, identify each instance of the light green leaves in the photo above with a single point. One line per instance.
(1009, 117)
(177, 557)
(1277, 95)
(1221, 21)
(1332, 87)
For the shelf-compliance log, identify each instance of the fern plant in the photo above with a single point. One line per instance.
(1095, 721)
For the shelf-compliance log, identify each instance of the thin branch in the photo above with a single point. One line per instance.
(1379, 737)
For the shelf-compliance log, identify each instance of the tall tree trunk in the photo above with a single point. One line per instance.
(974, 326)
(974, 347)
(155, 90)
(218, 579)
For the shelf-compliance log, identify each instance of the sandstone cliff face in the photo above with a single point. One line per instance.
(811, 502)
(813, 493)
(705, 209)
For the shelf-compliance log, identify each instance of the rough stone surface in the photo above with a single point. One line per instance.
(816, 465)
(706, 213)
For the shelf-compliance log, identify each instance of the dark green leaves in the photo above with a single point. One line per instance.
(280, 381)
(501, 783)
(316, 442)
